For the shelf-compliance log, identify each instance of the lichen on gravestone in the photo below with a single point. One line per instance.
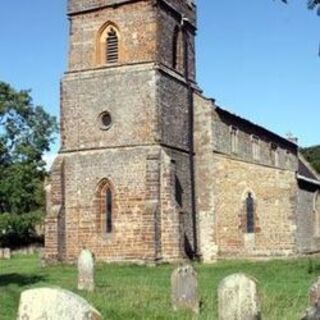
(54, 304)
(86, 271)
(184, 289)
(238, 298)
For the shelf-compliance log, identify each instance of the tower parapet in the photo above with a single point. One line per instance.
(187, 8)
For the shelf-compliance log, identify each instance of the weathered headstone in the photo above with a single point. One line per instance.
(41, 257)
(1, 253)
(86, 270)
(184, 289)
(313, 313)
(7, 253)
(54, 304)
(238, 298)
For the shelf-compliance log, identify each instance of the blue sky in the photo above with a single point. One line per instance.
(256, 58)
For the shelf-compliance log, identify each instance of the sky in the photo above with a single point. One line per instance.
(258, 59)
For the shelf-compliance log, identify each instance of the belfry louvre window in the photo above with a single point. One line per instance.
(112, 46)
(250, 213)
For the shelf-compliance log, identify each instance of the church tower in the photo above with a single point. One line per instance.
(122, 184)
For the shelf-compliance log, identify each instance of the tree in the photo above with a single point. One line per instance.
(312, 4)
(312, 154)
(26, 132)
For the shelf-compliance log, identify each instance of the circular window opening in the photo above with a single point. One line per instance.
(105, 120)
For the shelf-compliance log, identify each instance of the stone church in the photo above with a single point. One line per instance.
(149, 169)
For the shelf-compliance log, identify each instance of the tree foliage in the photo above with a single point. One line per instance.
(26, 132)
(312, 154)
(312, 4)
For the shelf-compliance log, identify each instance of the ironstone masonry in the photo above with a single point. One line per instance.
(151, 170)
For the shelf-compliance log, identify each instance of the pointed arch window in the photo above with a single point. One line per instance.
(105, 207)
(108, 44)
(250, 213)
(108, 210)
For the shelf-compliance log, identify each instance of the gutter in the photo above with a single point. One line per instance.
(312, 181)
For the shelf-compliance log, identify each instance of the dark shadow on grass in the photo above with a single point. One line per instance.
(19, 279)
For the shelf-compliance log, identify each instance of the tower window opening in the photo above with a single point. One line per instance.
(112, 46)
(250, 213)
(108, 211)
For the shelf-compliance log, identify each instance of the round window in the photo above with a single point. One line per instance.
(105, 120)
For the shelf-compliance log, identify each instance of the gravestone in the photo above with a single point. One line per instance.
(41, 258)
(7, 253)
(238, 298)
(184, 289)
(86, 270)
(313, 313)
(314, 294)
(31, 250)
(1, 253)
(54, 304)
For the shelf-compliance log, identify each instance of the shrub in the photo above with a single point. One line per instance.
(20, 230)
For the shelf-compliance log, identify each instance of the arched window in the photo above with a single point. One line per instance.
(105, 206)
(250, 213)
(108, 210)
(178, 191)
(107, 47)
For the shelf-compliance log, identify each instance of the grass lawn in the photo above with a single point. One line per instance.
(135, 292)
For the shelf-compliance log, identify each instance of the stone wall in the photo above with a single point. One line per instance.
(127, 93)
(205, 179)
(149, 223)
(221, 126)
(172, 102)
(55, 212)
(167, 24)
(308, 219)
(133, 226)
(137, 26)
(183, 7)
(274, 192)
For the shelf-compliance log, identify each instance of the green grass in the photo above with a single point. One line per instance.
(136, 292)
